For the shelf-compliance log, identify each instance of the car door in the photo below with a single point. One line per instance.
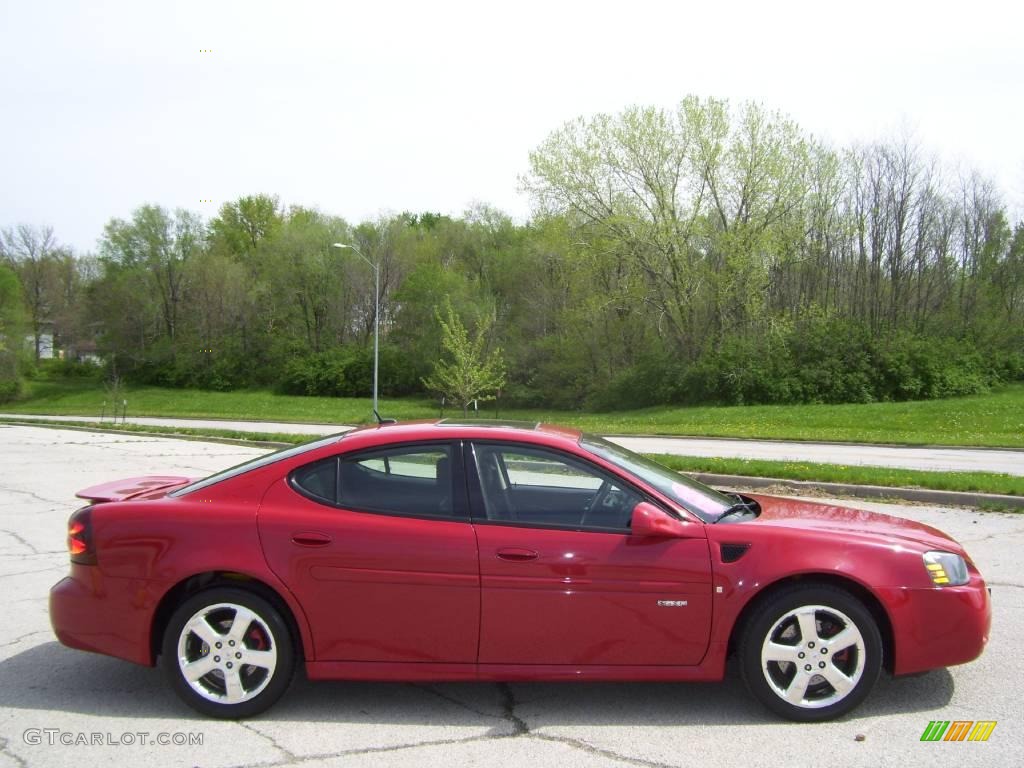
(563, 581)
(379, 551)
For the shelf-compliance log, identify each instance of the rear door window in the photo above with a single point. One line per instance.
(411, 480)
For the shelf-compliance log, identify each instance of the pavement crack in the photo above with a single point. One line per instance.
(18, 639)
(32, 495)
(590, 749)
(508, 701)
(1004, 584)
(434, 692)
(27, 573)
(29, 556)
(18, 538)
(301, 759)
(999, 535)
(5, 750)
(292, 757)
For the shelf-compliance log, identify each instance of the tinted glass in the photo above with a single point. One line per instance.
(411, 480)
(540, 487)
(705, 502)
(319, 480)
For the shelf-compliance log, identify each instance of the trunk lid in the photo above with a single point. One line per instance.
(132, 487)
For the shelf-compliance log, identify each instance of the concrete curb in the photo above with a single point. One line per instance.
(922, 495)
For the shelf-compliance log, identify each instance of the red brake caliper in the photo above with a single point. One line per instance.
(257, 641)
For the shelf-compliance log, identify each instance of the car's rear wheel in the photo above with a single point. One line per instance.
(228, 653)
(811, 653)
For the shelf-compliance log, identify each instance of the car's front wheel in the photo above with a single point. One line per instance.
(811, 653)
(228, 653)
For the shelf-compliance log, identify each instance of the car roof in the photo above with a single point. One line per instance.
(480, 429)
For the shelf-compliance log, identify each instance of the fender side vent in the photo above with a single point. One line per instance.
(733, 552)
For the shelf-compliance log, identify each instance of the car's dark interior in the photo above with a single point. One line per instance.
(600, 504)
(319, 480)
(359, 484)
(365, 487)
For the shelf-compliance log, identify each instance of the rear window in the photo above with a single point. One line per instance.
(257, 463)
(413, 480)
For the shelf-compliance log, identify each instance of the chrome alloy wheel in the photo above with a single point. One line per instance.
(227, 653)
(813, 656)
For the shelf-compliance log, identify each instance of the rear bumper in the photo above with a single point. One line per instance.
(91, 612)
(938, 627)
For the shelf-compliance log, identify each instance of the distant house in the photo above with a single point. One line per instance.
(44, 350)
(84, 351)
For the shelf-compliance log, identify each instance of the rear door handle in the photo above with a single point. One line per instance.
(516, 554)
(311, 539)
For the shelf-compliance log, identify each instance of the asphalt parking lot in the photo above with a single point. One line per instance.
(63, 707)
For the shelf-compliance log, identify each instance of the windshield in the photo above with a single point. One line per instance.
(259, 461)
(707, 503)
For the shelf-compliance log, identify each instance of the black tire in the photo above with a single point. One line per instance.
(225, 685)
(836, 671)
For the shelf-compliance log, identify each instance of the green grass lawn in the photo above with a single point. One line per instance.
(980, 482)
(995, 419)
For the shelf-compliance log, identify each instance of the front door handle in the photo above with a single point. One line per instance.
(516, 554)
(311, 539)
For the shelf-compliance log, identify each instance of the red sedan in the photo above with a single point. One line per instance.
(501, 551)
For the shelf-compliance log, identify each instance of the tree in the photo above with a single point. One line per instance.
(472, 373)
(240, 226)
(33, 253)
(11, 319)
(160, 244)
(696, 203)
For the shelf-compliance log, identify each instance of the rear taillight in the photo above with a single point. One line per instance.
(80, 543)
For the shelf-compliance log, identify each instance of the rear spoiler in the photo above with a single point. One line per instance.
(120, 490)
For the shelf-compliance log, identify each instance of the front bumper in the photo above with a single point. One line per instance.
(938, 626)
(91, 612)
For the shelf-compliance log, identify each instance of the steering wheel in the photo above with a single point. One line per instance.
(598, 501)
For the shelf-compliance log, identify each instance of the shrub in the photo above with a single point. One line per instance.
(348, 372)
(68, 369)
(10, 379)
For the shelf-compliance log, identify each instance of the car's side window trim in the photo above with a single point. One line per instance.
(460, 503)
(477, 507)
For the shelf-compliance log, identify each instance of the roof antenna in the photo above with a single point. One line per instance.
(383, 421)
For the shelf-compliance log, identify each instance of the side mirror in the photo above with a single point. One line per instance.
(653, 522)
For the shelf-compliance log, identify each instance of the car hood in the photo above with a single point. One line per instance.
(119, 490)
(859, 523)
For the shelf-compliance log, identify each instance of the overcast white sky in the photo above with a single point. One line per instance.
(362, 108)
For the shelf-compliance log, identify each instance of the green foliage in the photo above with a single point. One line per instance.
(348, 372)
(60, 368)
(242, 225)
(12, 330)
(471, 372)
(819, 360)
(980, 482)
(321, 374)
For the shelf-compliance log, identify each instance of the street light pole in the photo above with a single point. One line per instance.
(376, 318)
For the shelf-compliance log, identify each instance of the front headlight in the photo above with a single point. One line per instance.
(946, 568)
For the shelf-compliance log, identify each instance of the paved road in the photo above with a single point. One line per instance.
(936, 459)
(46, 686)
